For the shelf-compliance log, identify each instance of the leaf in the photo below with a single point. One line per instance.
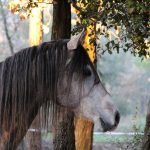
(110, 52)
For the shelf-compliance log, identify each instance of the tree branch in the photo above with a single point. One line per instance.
(6, 29)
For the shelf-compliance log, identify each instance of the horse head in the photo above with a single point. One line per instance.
(87, 97)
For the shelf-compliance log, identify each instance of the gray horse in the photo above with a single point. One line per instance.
(50, 76)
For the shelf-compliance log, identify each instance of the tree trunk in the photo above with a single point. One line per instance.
(63, 130)
(83, 134)
(146, 140)
(84, 128)
(35, 38)
(35, 27)
(61, 28)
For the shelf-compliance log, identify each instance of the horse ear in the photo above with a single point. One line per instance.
(76, 40)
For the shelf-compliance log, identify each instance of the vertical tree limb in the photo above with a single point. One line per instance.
(61, 27)
(63, 131)
(5, 23)
(83, 134)
(84, 128)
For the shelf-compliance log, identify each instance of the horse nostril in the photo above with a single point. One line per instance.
(117, 118)
(108, 125)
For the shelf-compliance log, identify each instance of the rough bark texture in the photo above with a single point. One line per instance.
(146, 140)
(61, 28)
(83, 134)
(63, 130)
(35, 38)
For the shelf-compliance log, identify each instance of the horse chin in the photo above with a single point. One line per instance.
(108, 130)
(100, 128)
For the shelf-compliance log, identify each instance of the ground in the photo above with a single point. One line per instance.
(101, 142)
(96, 146)
(114, 146)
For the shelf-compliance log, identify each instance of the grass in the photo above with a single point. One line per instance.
(117, 138)
(101, 138)
(112, 139)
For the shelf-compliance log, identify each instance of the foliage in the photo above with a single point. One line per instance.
(131, 16)
(24, 7)
(11, 27)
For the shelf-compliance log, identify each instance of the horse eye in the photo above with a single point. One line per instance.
(87, 71)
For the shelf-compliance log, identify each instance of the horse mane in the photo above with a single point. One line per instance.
(30, 79)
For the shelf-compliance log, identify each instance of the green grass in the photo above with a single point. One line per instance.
(112, 139)
(109, 138)
(101, 138)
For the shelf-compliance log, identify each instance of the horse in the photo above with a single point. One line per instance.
(54, 75)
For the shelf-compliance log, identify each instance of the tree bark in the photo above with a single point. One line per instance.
(84, 128)
(35, 38)
(63, 129)
(83, 134)
(146, 140)
(61, 27)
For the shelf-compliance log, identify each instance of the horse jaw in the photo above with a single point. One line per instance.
(99, 110)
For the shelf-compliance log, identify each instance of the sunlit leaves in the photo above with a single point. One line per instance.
(14, 6)
(24, 7)
(132, 17)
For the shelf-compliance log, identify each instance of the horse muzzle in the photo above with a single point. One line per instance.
(108, 126)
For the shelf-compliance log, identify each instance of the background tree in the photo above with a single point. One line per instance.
(131, 16)
(6, 30)
(63, 129)
(84, 128)
(6, 24)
